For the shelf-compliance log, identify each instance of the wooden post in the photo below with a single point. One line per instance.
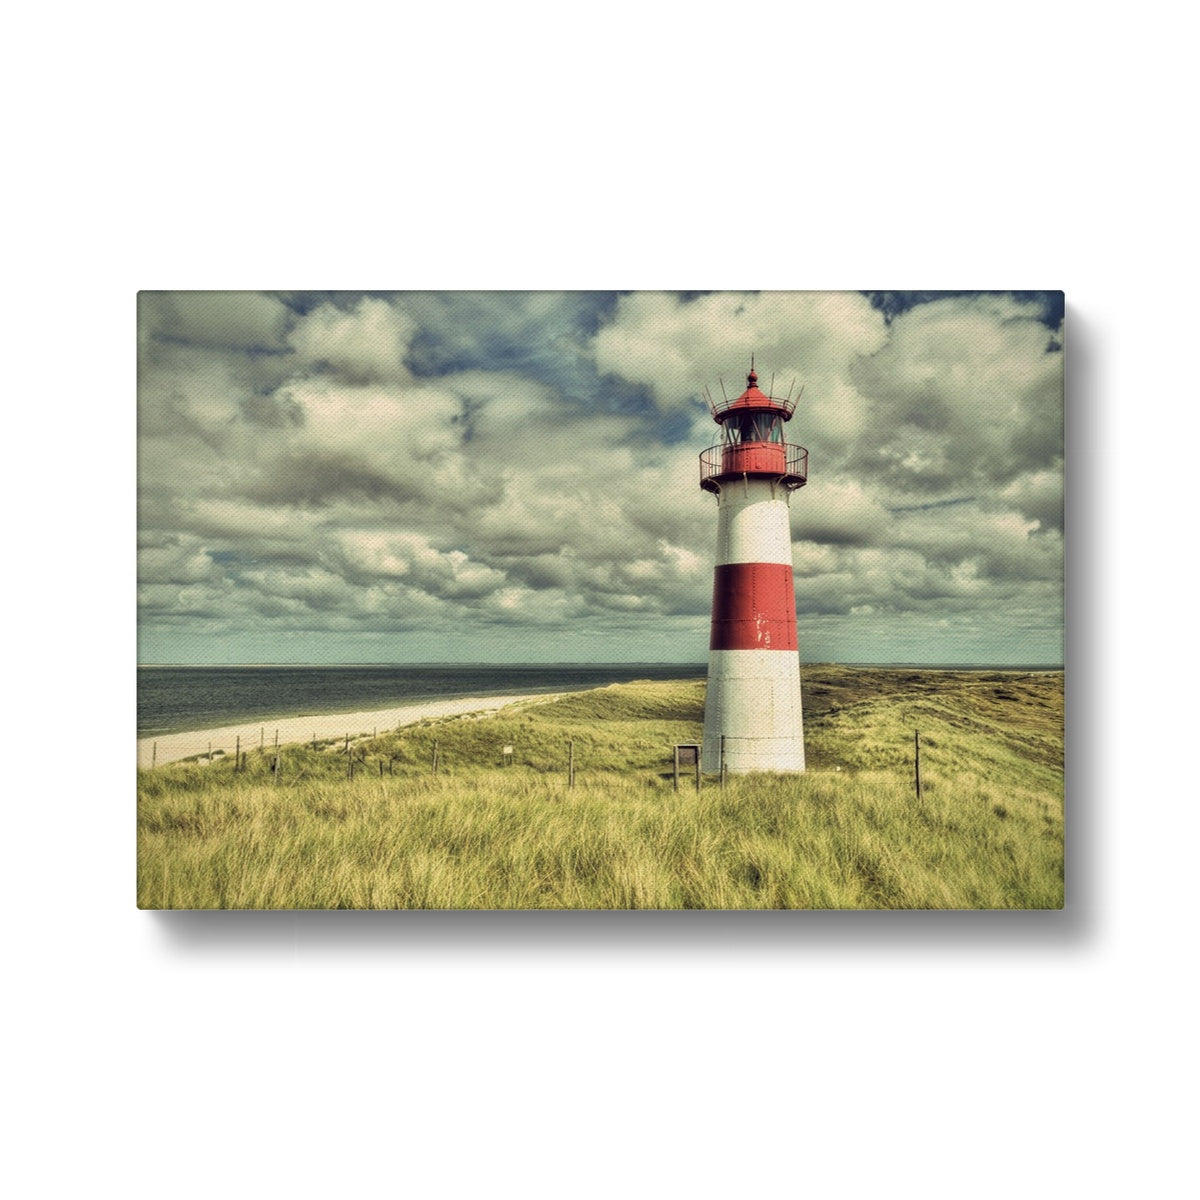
(435, 757)
(677, 768)
(276, 766)
(917, 759)
(154, 755)
(262, 736)
(722, 760)
(571, 763)
(314, 739)
(210, 752)
(237, 754)
(381, 768)
(347, 750)
(277, 743)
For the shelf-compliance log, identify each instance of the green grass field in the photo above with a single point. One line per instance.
(850, 833)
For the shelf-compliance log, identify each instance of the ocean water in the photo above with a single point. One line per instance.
(173, 699)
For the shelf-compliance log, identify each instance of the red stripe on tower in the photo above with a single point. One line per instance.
(754, 607)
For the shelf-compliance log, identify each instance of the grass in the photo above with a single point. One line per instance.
(849, 833)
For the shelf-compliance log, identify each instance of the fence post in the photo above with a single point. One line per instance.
(677, 768)
(722, 760)
(435, 757)
(262, 736)
(154, 755)
(571, 763)
(237, 754)
(917, 759)
(276, 766)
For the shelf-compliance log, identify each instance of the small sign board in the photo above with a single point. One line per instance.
(507, 749)
(687, 754)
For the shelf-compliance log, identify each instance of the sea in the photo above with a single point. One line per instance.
(176, 699)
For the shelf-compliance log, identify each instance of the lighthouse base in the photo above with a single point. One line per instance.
(753, 703)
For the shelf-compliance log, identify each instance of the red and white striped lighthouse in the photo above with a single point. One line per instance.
(752, 714)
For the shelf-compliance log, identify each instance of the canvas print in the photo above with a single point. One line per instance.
(600, 600)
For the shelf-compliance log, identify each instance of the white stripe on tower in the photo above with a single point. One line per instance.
(752, 524)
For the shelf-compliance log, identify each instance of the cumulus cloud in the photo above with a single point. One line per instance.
(963, 390)
(225, 321)
(527, 462)
(678, 346)
(365, 344)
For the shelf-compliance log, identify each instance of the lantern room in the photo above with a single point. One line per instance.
(752, 442)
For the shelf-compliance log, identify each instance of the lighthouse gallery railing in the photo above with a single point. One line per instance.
(783, 460)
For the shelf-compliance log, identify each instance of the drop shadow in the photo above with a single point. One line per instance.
(654, 936)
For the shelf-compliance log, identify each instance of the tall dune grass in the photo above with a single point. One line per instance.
(850, 833)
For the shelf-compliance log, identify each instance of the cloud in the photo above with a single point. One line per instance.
(963, 392)
(233, 321)
(365, 344)
(371, 555)
(679, 346)
(839, 512)
(1038, 495)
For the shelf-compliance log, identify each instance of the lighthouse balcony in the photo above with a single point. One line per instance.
(778, 461)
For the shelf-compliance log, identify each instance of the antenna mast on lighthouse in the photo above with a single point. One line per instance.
(753, 719)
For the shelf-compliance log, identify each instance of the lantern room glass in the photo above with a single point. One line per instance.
(757, 427)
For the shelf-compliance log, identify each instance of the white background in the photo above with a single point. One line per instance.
(650, 145)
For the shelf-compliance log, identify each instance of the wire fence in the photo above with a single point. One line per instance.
(270, 758)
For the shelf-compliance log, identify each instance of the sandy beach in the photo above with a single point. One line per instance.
(170, 747)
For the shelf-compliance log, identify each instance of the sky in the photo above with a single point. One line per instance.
(513, 476)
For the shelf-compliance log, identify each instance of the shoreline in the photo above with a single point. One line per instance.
(171, 747)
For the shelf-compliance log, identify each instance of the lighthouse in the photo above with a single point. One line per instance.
(752, 714)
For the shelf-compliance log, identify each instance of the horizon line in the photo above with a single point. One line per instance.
(1016, 666)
